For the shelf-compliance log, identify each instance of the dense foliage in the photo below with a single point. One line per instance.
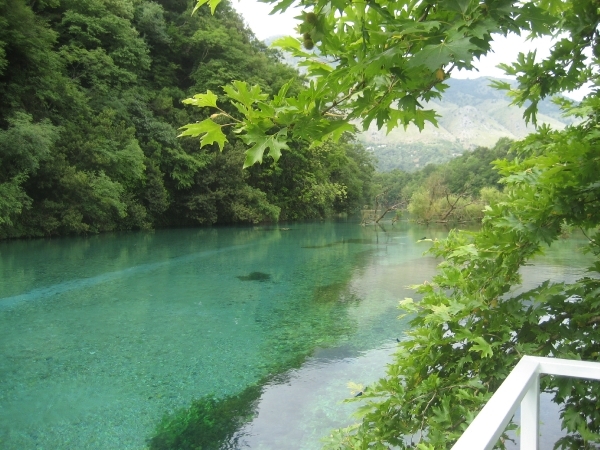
(90, 105)
(389, 57)
(454, 192)
(413, 156)
(471, 326)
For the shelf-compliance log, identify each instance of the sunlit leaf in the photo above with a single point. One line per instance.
(262, 143)
(458, 50)
(200, 100)
(209, 131)
(238, 90)
(483, 347)
(212, 3)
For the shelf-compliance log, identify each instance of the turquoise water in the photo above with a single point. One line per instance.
(103, 337)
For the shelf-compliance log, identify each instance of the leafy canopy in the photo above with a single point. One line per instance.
(379, 61)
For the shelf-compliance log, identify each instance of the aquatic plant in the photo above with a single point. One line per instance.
(210, 423)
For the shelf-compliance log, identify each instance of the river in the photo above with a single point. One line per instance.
(104, 338)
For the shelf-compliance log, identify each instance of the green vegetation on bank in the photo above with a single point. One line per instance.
(454, 192)
(90, 105)
(410, 156)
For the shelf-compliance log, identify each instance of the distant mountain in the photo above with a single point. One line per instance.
(472, 114)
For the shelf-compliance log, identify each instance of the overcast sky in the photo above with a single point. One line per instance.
(504, 49)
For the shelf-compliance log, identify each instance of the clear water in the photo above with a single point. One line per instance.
(102, 337)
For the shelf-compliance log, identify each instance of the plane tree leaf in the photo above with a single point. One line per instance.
(458, 50)
(209, 131)
(212, 3)
(201, 100)
(261, 143)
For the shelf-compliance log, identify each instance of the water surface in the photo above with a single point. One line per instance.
(103, 337)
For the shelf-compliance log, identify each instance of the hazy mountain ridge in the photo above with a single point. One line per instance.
(472, 114)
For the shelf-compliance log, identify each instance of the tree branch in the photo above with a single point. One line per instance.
(391, 208)
(344, 98)
(453, 205)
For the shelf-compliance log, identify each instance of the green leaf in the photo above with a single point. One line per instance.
(238, 90)
(282, 6)
(279, 99)
(458, 50)
(287, 42)
(483, 28)
(212, 3)
(410, 27)
(408, 305)
(441, 312)
(572, 419)
(421, 116)
(210, 130)
(500, 85)
(201, 100)
(266, 109)
(458, 5)
(465, 251)
(263, 142)
(483, 347)
(336, 128)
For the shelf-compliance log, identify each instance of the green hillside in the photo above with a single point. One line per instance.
(90, 108)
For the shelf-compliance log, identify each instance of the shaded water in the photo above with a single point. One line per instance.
(103, 337)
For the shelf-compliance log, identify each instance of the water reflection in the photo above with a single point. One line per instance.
(304, 408)
(209, 423)
(369, 241)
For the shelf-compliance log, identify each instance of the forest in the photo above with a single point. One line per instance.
(90, 106)
(452, 193)
(91, 101)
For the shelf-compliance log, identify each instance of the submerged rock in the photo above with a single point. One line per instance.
(255, 276)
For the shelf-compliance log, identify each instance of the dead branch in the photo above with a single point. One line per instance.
(453, 205)
(391, 208)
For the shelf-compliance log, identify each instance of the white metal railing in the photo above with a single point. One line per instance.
(521, 385)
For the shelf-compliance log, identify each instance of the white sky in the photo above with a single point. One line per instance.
(504, 49)
(257, 17)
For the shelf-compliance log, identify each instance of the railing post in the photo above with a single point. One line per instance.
(530, 416)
